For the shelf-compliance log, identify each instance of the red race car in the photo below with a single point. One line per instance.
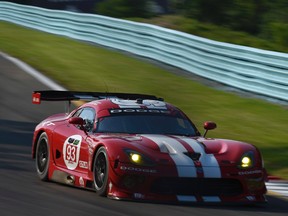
(138, 147)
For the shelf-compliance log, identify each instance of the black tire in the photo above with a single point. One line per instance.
(101, 172)
(42, 157)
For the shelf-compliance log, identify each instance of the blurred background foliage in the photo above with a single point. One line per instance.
(256, 23)
(258, 19)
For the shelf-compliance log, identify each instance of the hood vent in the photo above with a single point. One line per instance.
(166, 148)
(195, 156)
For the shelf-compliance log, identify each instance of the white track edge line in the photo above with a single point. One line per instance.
(31, 71)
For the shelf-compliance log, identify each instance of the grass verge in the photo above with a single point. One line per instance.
(80, 66)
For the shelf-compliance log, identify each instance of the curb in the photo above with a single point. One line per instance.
(276, 178)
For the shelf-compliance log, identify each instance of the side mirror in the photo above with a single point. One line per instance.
(209, 126)
(76, 121)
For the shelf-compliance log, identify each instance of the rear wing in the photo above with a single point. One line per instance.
(51, 95)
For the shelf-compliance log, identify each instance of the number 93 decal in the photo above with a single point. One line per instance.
(71, 151)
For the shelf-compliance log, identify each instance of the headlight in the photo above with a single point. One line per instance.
(139, 159)
(247, 160)
(135, 157)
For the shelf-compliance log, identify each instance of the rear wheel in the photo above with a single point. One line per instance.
(101, 171)
(42, 157)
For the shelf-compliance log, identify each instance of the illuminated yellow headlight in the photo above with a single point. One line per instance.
(138, 158)
(246, 162)
(135, 157)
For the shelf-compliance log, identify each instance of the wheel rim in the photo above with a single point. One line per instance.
(42, 156)
(100, 170)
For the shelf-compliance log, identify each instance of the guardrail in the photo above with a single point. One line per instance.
(251, 69)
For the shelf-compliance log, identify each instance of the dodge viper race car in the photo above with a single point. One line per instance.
(138, 147)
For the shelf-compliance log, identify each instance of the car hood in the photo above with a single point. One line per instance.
(172, 144)
(181, 148)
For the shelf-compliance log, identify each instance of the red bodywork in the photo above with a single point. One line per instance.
(182, 169)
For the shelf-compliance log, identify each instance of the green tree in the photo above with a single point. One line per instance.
(236, 14)
(123, 8)
(278, 33)
(212, 11)
(274, 26)
(247, 15)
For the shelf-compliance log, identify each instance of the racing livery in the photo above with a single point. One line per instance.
(138, 147)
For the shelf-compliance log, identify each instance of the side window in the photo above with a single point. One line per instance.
(77, 113)
(88, 114)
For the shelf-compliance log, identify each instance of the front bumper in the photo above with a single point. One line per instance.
(145, 184)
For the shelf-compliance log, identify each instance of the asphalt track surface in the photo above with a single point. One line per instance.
(22, 193)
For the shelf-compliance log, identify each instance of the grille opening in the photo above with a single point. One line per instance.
(197, 186)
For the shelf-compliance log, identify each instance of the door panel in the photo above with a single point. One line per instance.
(70, 147)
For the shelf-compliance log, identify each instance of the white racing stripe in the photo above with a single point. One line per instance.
(185, 166)
(209, 163)
(182, 198)
(211, 199)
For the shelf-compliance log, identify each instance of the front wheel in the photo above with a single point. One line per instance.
(101, 171)
(42, 157)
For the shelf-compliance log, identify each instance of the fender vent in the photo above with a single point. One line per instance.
(58, 154)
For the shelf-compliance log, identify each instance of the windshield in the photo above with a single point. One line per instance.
(146, 124)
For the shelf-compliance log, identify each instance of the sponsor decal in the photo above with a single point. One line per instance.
(138, 196)
(110, 188)
(71, 151)
(36, 98)
(251, 198)
(81, 182)
(83, 164)
(249, 172)
(137, 169)
(73, 141)
(150, 104)
(91, 145)
(113, 111)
